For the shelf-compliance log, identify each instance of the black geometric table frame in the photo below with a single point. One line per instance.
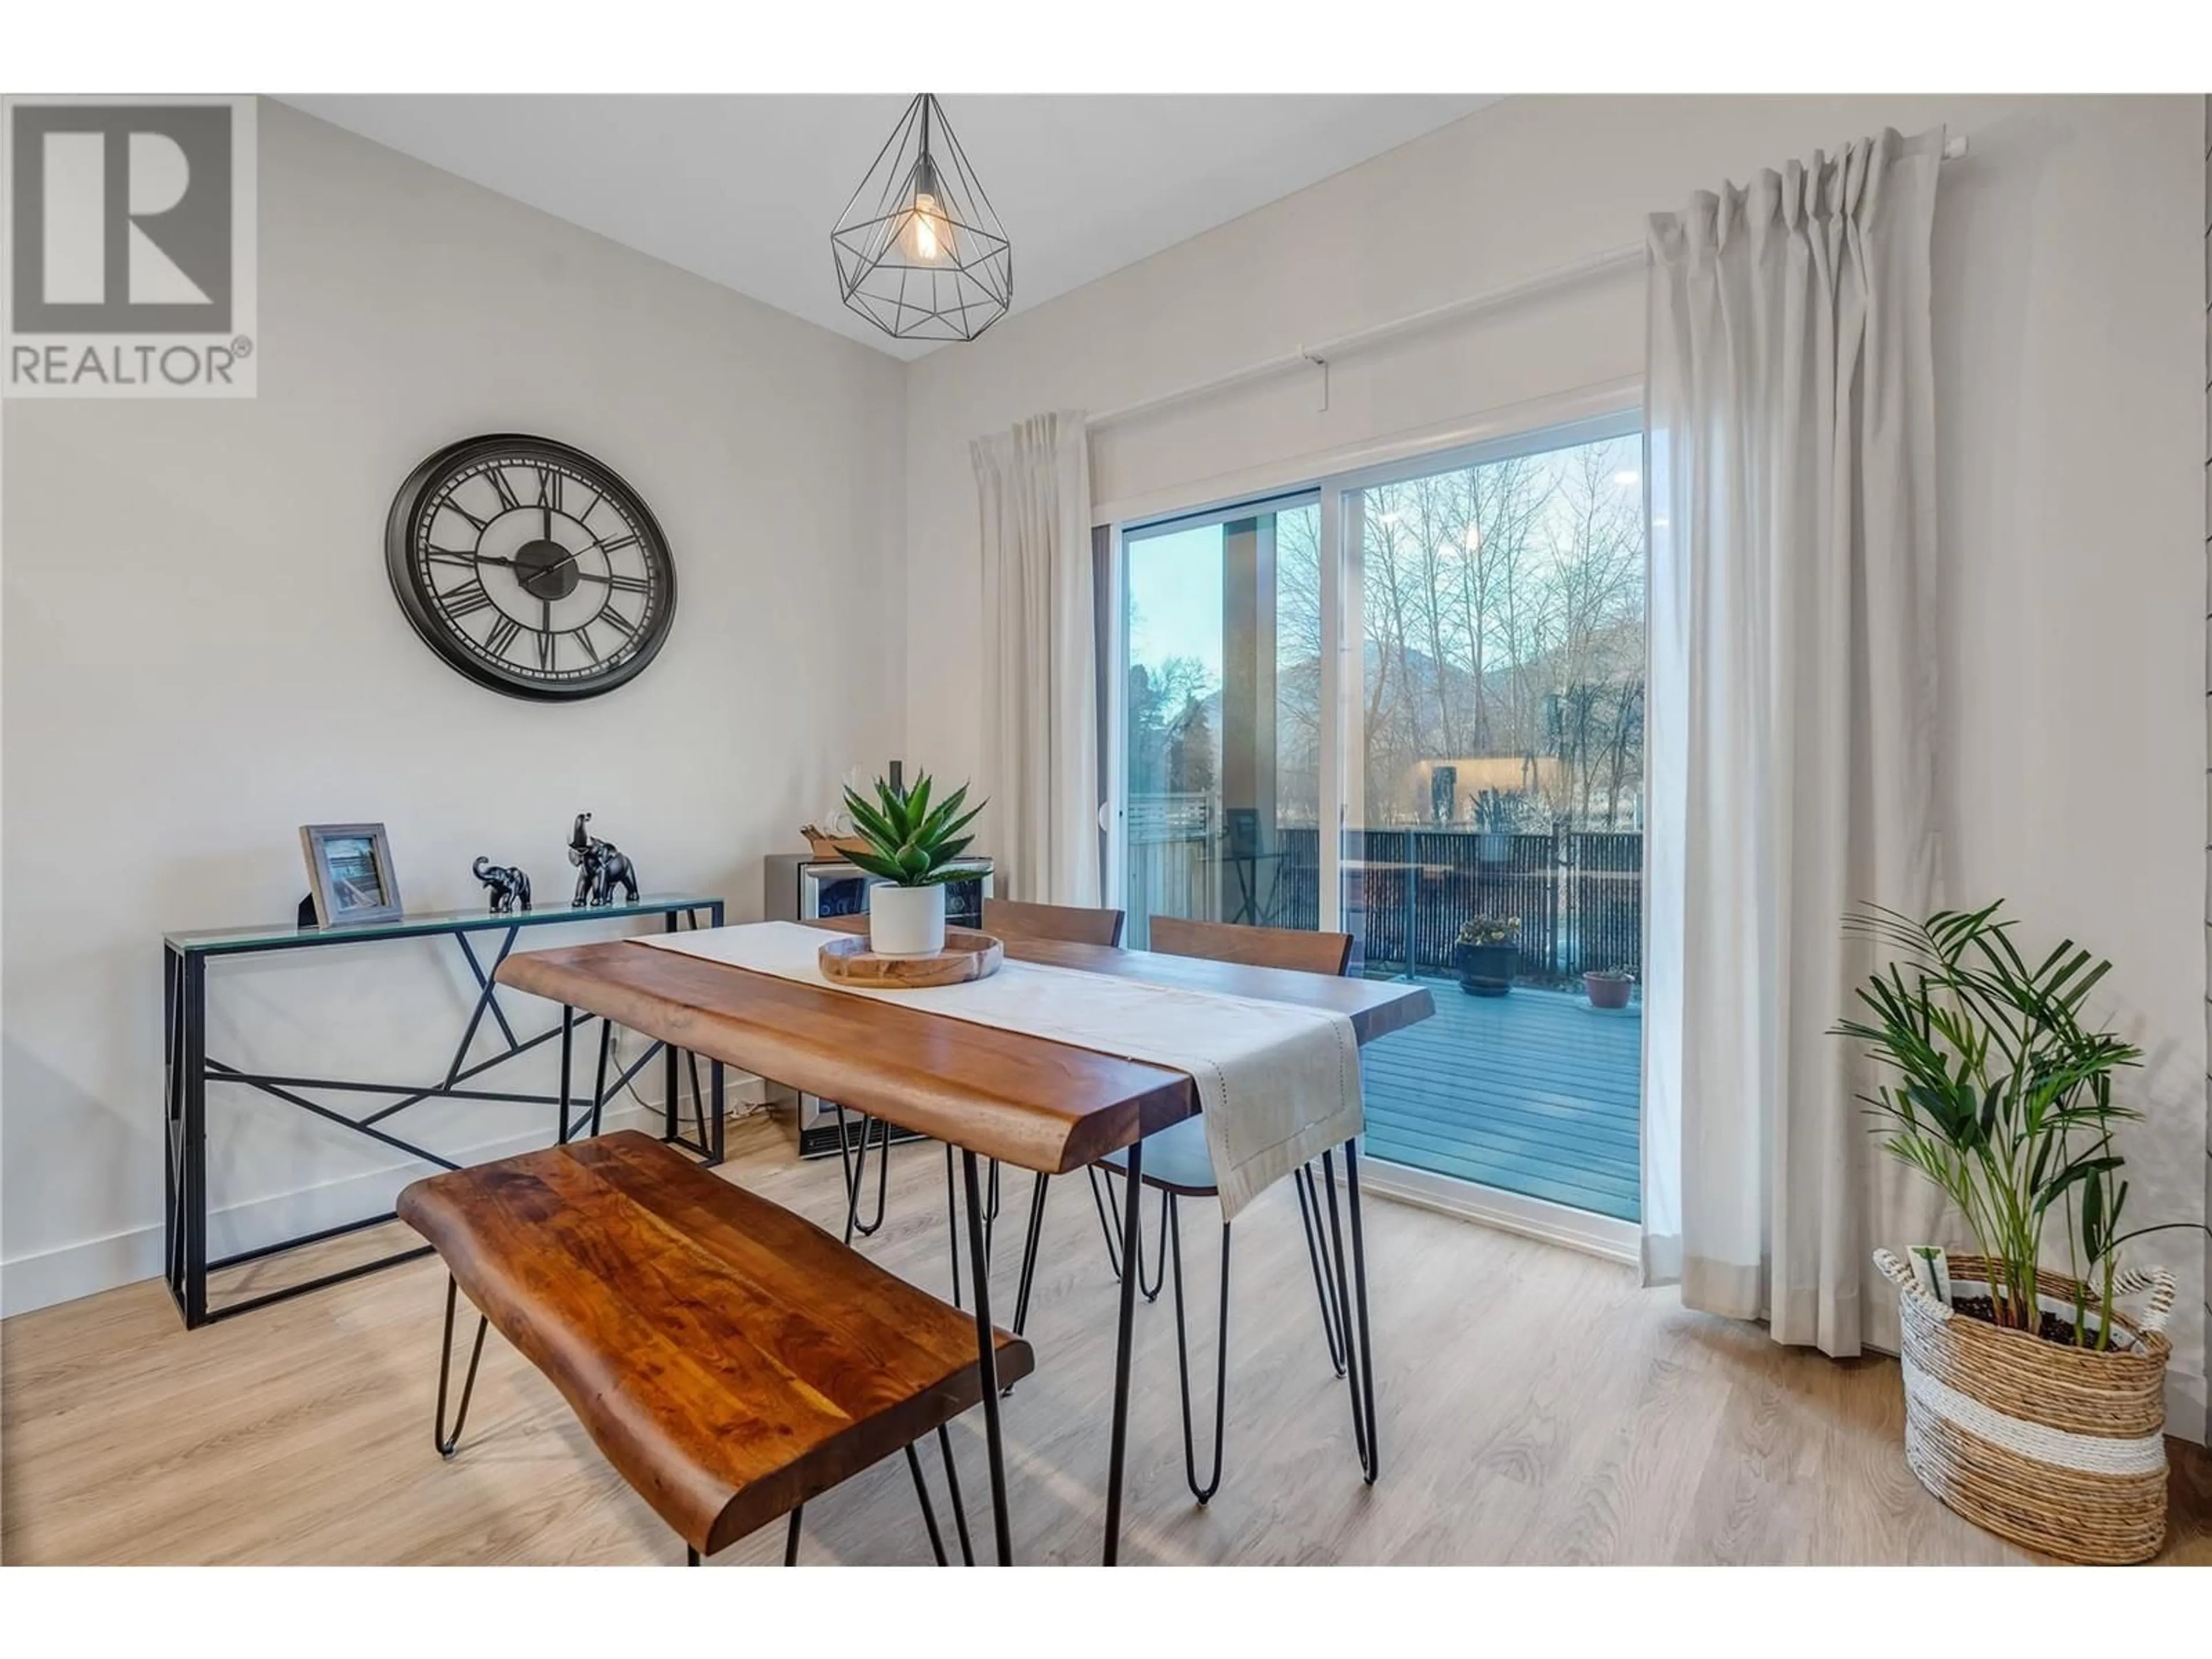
(188, 1069)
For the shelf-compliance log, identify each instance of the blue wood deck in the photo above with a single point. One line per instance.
(1535, 1092)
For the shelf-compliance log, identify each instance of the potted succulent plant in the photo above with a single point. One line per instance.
(1609, 987)
(911, 845)
(2034, 1401)
(1486, 955)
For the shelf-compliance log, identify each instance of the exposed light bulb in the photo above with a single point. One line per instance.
(1473, 539)
(1628, 478)
(927, 235)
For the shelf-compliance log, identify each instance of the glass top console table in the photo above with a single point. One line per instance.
(188, 1069)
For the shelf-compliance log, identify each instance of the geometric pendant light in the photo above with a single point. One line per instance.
(919, 251)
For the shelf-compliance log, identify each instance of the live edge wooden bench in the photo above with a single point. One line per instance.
(730, 1358)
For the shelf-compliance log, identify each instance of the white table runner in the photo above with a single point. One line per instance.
(1280, 1083)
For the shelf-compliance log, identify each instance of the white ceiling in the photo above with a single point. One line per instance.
(744, 190)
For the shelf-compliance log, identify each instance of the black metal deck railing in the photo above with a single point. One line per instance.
(1577, 894)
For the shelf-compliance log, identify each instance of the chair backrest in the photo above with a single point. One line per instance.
(1293, 948)
(1069, 923)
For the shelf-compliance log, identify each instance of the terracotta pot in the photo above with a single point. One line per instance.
(1608, 990)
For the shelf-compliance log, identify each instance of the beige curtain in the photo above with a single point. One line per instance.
(1791, 400)
(1039, 665)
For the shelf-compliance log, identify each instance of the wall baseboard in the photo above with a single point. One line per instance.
(60, 1275)
(2188, 1416)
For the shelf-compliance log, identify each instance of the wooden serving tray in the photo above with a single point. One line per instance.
(831, 848)
(967, 955)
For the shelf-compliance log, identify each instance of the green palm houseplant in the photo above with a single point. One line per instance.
(2034, 1393)
(913, 846)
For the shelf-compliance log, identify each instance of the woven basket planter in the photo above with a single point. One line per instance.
(2058, 1447)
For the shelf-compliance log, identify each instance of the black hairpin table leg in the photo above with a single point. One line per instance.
(986, 1357)
(1351, 1308)
(567, 1051)
(1125, 1325)
(1360, 1291)
(599, 1082)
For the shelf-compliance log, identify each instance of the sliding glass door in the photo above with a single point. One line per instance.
(1494, 807)
(1408, 703)
(1221, 717)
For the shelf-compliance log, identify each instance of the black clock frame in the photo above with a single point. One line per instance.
(522, 450)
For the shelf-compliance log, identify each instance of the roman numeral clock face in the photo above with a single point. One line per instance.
(530, 567)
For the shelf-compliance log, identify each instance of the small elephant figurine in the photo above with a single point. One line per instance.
(600, 867)
(510, 887)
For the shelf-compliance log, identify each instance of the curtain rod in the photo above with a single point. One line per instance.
(1326, 352)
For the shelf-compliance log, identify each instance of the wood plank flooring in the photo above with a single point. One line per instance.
(1535, 1407)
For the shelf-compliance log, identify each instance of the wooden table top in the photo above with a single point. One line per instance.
(1024, 1100)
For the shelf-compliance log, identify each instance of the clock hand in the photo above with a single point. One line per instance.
(572, 554)
(568, 555)
(542, 570)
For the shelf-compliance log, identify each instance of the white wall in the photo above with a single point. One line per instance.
(2071, 410)
(204, 652)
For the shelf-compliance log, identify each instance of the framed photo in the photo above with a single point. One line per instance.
(350, 873)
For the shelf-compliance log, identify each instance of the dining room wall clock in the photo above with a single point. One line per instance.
(530, 566)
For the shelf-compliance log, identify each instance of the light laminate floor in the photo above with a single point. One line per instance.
(1536, 1406)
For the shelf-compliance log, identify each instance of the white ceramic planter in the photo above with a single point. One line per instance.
(906, 921)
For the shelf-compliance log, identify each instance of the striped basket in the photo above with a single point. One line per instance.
(2058, 1447)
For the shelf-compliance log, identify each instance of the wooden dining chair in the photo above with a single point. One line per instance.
(1018, 918)
(1072, 924)
(1177, 1164)
(1299, 950)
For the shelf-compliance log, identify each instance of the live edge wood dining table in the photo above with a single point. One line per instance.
(1025, 1100)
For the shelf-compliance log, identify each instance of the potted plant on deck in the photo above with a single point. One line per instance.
(1487, 956)
(911, 845)
(2034, 1399)
(1609, 987)
(1496, 817)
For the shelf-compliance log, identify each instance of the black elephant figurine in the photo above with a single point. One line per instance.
(510, 887)
(600, 867)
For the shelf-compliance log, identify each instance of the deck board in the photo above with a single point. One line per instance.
(1535, 1092)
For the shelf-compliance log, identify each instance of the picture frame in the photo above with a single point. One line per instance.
(350, 873)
